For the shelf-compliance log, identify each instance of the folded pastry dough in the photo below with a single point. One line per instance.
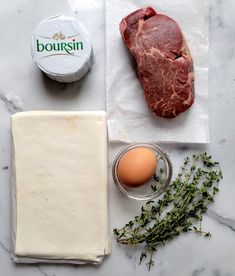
(60, 185)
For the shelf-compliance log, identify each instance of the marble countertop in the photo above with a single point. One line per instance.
(187, 255)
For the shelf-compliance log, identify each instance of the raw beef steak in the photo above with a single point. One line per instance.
(164, 63)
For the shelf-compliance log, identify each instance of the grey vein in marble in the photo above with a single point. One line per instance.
(186, 256)
(216, 272)
(222, 220)
(12, 102)
(43, 272)
(3, 246)
(198, 272)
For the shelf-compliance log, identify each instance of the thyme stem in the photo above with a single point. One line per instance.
(180, 209)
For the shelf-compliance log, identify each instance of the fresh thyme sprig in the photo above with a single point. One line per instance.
(180, 209)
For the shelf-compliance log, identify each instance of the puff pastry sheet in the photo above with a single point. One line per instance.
(59, 187)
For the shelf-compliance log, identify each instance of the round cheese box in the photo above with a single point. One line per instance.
(61, 48)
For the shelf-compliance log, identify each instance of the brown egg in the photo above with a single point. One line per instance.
(137, 166)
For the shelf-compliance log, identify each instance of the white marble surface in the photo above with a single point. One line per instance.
(188, 255)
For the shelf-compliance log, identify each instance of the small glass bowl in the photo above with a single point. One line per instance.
(156, 185)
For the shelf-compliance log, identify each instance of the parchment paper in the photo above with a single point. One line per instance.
(129, 118)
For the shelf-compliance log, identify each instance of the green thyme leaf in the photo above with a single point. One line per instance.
(179, 210)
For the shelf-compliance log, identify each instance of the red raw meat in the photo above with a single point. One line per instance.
(164, 63)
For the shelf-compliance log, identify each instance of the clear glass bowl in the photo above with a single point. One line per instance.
(156, 185)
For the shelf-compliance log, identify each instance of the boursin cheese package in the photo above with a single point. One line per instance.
(62, 48)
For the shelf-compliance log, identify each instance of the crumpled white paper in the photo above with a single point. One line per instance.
(129, 119)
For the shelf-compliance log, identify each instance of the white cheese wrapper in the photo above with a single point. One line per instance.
(129, 119)
(59, 187)
(61, 47)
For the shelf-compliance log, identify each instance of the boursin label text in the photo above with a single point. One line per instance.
(59, 43)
